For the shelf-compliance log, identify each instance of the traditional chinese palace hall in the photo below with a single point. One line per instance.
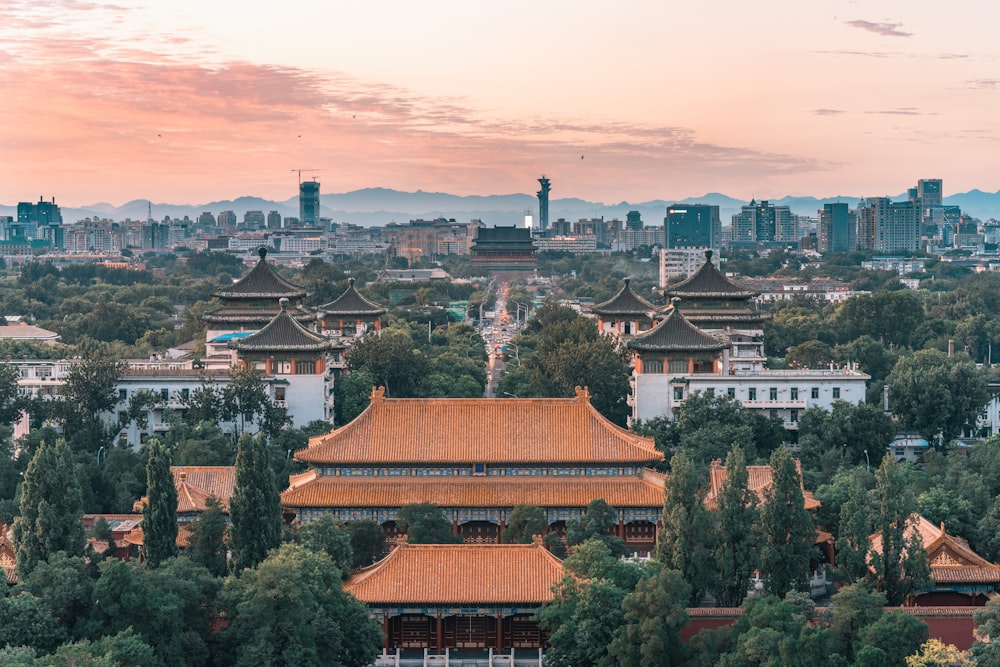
(477, 458)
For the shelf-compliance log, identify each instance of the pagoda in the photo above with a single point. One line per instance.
(715, 304)
(350, 315)
(294, 359)
(626, 314)
(253, 301)
(477, 458)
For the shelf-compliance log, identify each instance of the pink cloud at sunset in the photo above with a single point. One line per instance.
(175, 115)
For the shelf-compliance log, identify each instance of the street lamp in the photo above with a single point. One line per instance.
(868, 463)
(516, 353)
(507, 393)
(518, 313)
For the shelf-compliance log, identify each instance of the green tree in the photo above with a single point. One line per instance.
(855, 607)
(736, 515)
(291, 610)
(654, 614)
(686, 540)
(65, 587)
(367, 542)
(953, 385)
(786, 528)
(245, 398)
(897, 634)
(843, 434)
(11, 403)
(597, 523)
(890, 317)
(810, 354)
(326, 535)
(255, 506)
(425, 523)
(855, 527)
(90, 390)
(582, 622)
(871, 356)
(123, 648)
(986, 650)
(392, 360)
(900, 565)
(51, 507)
(25, 621)
(159, 514)
(207, 544)
(525, 521)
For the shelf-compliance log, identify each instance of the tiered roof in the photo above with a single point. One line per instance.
(282, 334)
(759, 479)
(625, 302)
(312, 490)
(708, 282)
(676, 334)
(263, 282)
(393, 431)
(459, 574)
(352, 304)
(951, 559)
(195, 485)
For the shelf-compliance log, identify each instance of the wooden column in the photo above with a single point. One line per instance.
(385, 631)
(500, 528)
(499, 633)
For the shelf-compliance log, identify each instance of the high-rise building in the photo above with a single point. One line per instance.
(758, 222)
(273, 220)
(692, 226)
(543, 204)
(889, 226)
(929, 192)
(309, 203)
(836, 233)
(32, 216)
(253, 220)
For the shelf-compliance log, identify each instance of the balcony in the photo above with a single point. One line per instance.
(779, 404)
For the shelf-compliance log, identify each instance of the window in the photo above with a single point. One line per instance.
(678, 366)
(282, 367)
(478, 468)
(794, 416)
(164, 394)
(836, 392)
(752, 394)
(122, 394)
(652, 366)
(279, 393)
(731, 392)
(628, 328)
(795, 393)
(815, 392)
(305, 367)
(773, 393)
(185, 393)
(678, 393)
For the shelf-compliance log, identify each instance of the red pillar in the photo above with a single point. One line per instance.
(500, 529)
(499, 633)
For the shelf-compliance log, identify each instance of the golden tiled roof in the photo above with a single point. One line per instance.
(951, 559)
(468, 574)
(758, 480)
(490, 491)
(479, 430)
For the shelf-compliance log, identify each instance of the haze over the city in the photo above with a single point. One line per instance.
(190, 101)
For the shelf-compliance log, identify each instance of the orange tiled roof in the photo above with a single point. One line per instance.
(479, 430)
(544, 491)
(459, 574)
(758, 480)
(137, 536)
(951, 559)
(195, 484)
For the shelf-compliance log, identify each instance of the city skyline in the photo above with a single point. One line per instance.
(196, 102)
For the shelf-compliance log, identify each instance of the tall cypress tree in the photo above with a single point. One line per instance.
(159, 515)
(787, 528)
(51, 508)
(736, 514)
(685, 543)
(255, 506)
(901, 566)
(855, 528)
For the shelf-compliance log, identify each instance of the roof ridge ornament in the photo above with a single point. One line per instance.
(378, 394)
(262, 252)
(583, 393)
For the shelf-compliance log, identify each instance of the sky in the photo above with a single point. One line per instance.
(193, 101)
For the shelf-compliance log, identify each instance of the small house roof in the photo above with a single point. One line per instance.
(759, 479)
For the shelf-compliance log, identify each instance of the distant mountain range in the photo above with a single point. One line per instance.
(378, 206)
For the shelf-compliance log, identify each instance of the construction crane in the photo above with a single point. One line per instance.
(299, 172)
